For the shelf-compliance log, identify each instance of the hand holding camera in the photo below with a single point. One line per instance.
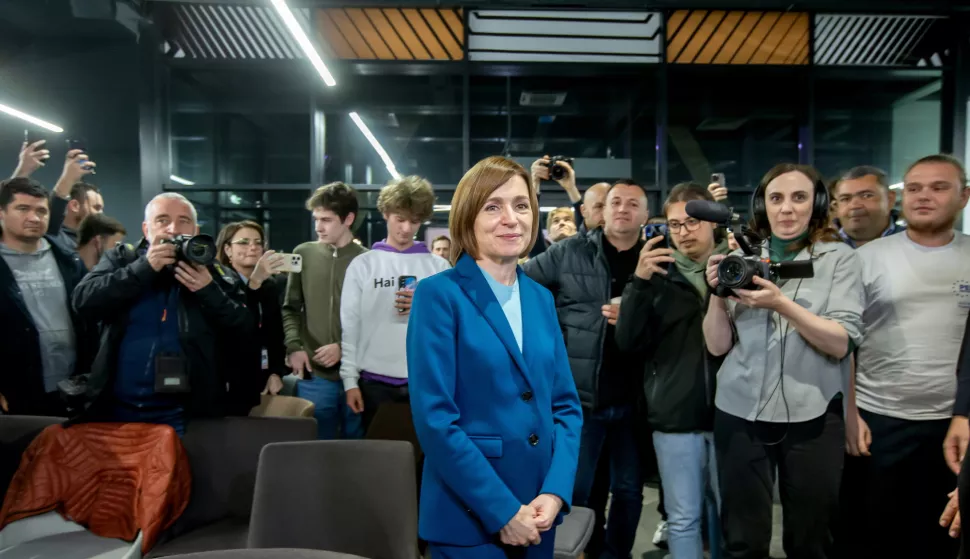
(556, 168)
(193, 276)
(161, 254)
(653, 259)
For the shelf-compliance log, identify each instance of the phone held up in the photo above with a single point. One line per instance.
(654, 230)
(79, 144)
(292, 263)
(718, 178)
(406, 283)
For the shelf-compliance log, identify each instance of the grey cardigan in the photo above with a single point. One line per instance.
(748, 383)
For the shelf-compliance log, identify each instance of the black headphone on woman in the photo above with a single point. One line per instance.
(820, 205)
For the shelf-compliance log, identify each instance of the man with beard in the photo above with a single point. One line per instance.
(864, 204)
(917, 295)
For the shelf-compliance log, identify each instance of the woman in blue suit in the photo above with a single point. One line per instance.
(492, 395)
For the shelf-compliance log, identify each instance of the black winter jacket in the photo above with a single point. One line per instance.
(576, 272)
(22, 381)
(209, 319)
(264, 304)
(663, 317)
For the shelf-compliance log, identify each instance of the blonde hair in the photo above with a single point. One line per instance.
(470, 196)
(411, 195)
(558, 211)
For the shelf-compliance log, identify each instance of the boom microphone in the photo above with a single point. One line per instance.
(715, 212)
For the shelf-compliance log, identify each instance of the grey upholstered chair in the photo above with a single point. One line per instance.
(355, 497)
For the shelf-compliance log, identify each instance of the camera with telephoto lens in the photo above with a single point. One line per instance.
(556, 171)
(195, 249)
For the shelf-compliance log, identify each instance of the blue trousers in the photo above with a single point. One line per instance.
(334, 419)
(496, 550)
(614, 429)
(688, 472)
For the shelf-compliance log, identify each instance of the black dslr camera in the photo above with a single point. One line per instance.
(194, 249)
(556, 171)
(738, 271)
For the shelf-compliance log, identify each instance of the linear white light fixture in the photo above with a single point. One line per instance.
(376, 145)
(897, 186)
(180, 180)
(297, 31)
(31, 119)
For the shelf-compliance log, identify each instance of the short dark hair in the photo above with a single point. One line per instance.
(97, 225)
(685, 192)
(20, 185)
(862, 171)
(626, 182)
(942, 158)
(440, 238)
(80, 191)
(337, 197)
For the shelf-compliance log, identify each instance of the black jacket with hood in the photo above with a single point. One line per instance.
(663, 317)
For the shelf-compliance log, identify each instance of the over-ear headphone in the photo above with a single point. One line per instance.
(820, 205)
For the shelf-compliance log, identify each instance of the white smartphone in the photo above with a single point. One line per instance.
(292, 263)
(718, 178)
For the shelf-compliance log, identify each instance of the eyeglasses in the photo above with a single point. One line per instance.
(690, 224)
(247, 242)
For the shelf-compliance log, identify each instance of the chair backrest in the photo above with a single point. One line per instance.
(356, 497)
(282, 406)
(224, 454)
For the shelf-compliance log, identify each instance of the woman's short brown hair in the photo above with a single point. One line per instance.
(228, 232)
(470, 196)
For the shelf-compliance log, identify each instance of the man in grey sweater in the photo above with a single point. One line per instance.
(42, 342)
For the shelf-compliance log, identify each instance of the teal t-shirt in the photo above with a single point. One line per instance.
(508, 298)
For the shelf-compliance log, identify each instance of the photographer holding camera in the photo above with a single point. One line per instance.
(166, 309)
(802, 331)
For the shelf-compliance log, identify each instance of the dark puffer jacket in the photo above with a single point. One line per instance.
(577, 273)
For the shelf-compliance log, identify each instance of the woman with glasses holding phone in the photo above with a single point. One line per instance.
(241, 248)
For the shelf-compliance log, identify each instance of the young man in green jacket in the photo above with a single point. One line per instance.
(311, 310)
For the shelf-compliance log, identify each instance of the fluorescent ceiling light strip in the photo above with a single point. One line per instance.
(301, 37)
(31, 119)
(376, 145)
(180, 180)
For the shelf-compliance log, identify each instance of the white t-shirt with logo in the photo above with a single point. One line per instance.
(916, 305)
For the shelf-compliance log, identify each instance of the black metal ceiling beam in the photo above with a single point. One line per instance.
(844, 6)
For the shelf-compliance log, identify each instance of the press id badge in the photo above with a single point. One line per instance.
(171, 374)
(264, 359)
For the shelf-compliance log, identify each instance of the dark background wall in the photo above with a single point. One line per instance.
(89, 88)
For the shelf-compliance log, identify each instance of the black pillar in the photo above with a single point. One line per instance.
(153, 123)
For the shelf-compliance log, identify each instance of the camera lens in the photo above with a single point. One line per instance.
(200, 249)
(735, 272)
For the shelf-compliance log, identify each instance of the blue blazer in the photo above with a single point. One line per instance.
(498, 426)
